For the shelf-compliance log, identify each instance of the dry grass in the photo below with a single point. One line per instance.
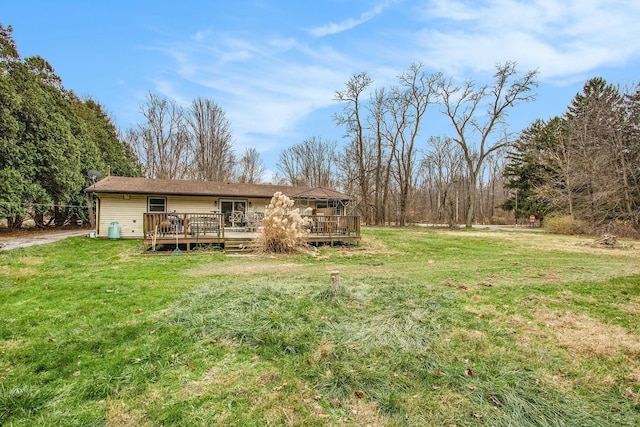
(258, 265)
(324, 351)
(633, 307)
(365, 413)
(119, 414)
(587, 337)
(31, 260)
(543, 242)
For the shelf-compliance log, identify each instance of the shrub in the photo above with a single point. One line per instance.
(565, 225)
(284, 230)
(500, 220)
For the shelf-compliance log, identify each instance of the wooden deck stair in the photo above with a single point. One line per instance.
(239, 245)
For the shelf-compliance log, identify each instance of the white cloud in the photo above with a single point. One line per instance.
(168, 89)
(267, 86)
(348, 24)
(560, 38)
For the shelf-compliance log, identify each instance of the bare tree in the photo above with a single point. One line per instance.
(494, 193)
(378, 108)
(312, 163)
(477, 130)
(442, 169)
(214, 158)
(162, 141)
(251, 169)
(408, 105)
(352, 119)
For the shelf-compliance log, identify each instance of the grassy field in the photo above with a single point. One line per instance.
(428, 327)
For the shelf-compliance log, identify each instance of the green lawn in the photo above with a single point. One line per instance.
(428, 327)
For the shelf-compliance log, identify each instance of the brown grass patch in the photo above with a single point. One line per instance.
(213, 379)
(450, 405)
(30, 260)
(482, 311)
(556, 380)
(545, 242)
(12, 344)
(577, 298)
(366, 413)
(633, 307)
(23, 273)
(255, 265)
(119, 414)
(542, 301)
(587, 337)
(324, 351)
(467, 341)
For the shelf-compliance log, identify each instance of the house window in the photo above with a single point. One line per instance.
(157, 204)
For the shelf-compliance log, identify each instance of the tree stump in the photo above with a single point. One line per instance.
(335, 280)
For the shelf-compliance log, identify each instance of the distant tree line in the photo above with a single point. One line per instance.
(398, 174)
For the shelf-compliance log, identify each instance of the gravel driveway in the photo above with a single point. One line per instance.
(38, 239)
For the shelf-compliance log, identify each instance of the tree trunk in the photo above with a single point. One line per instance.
(471, 199)
(92, 216)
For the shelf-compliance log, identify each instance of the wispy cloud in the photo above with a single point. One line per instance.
(562, 39)
(266, 85)
(348, 24)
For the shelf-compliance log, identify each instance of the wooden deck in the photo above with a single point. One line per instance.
(190, 231)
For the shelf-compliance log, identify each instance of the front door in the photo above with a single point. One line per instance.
(228, 207)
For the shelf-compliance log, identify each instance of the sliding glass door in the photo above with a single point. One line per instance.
(234, 211)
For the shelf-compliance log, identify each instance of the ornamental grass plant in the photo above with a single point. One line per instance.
(283, 228)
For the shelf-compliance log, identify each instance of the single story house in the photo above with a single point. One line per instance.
(146, 208)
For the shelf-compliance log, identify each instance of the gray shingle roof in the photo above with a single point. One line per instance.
(119, 184)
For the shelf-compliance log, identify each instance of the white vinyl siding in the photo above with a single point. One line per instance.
(127, 212)
(191, 204)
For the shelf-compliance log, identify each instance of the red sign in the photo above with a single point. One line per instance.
(532, 218)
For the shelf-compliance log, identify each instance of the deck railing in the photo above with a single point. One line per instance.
(333, 225)
(184, 224)
(213, 225)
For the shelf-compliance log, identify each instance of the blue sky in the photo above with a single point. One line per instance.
(274, 65)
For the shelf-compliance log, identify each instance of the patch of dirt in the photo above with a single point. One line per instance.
(367, 246)
(6, 234)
